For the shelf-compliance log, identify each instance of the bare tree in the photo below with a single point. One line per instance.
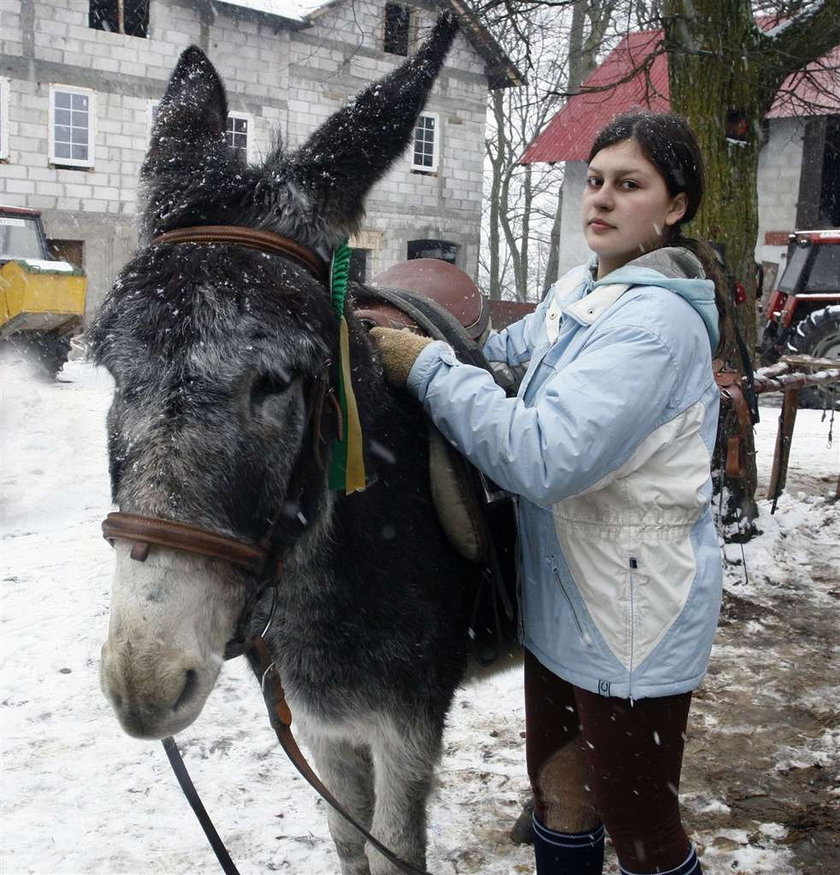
(557, 43)
(582, 54)
(520, 195)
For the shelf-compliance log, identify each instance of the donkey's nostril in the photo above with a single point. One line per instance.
(189, 690)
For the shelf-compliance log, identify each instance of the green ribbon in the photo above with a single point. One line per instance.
(347, 467)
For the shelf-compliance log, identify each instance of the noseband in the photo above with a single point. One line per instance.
(262, 558)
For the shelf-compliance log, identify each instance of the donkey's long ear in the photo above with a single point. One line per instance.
(344, 158)
(188, 157)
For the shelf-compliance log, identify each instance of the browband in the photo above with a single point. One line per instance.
(264, 241)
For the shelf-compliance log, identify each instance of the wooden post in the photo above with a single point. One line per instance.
(784, 436)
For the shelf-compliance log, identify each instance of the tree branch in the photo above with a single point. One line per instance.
(802, 39)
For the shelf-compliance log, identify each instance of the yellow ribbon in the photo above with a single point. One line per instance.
(355, 470)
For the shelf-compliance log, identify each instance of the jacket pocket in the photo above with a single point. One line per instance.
(561, 586)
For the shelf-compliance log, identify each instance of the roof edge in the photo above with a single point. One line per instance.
(500, 70)
(253, 13)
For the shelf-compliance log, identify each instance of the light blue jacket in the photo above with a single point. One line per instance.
(608, 444)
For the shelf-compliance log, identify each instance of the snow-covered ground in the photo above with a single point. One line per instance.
(78, 796)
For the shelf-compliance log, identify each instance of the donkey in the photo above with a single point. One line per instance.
(215, 349)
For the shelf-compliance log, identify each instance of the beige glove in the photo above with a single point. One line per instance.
(398, 351)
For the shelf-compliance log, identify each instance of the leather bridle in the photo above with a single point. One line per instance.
(261, 558)
(264, 241)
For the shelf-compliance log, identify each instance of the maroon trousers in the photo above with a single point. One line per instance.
(633, 751)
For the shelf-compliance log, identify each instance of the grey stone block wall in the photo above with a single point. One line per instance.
(779, 171)
(283, 79)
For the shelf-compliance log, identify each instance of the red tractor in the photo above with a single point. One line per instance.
(803, 310)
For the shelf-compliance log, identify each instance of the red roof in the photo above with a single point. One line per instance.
(812, 91)
(572, 131)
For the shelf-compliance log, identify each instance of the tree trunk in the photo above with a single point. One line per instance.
(552, 267)
(724, 73)
(711, 83)
(582, 56)
(495, 151)
(521, 267)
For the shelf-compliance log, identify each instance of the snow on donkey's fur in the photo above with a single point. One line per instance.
(214, 349)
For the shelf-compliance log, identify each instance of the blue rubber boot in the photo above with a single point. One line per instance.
(691, 866)
(564, 853)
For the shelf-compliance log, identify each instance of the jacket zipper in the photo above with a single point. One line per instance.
(633, 566)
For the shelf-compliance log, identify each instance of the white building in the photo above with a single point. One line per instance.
(79, 82)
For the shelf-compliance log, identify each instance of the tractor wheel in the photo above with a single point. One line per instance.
(819, 335)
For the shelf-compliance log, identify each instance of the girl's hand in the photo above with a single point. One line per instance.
(398, 351)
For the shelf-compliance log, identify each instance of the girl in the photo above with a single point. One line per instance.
(608, 444)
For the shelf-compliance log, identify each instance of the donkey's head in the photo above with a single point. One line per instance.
(214, 350)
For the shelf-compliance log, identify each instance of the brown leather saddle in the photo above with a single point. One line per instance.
(435, 280)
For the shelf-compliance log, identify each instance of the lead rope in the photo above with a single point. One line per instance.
(347, 468)
(188, 788)
(281, 720)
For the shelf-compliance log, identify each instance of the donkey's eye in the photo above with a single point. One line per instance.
(274, 395)
(270, 384)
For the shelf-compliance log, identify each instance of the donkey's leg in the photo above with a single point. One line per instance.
(404, 763)
(347, 772)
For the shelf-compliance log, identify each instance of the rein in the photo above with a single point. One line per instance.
(261, 558)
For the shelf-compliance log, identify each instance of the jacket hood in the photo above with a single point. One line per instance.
(678, 270)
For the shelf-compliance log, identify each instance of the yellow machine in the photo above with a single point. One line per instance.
(42, 299)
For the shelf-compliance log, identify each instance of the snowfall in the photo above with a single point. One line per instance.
(760, 786)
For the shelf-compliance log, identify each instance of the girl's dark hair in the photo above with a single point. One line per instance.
(669, 143)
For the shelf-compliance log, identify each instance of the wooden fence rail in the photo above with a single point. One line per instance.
(788, 376)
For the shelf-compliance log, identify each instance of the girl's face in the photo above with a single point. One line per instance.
(626, 208)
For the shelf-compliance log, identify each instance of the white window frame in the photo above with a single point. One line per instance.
(73, 162)
(426, 168)
(4, 119)
(249, 120)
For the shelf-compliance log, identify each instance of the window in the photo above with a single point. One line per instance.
(72, 117)
(424, 156)
(442, 249)
(72, 251)
(20, 237)
(236, 133)
(825, 269)
(130, 17)
(4, 119)
(829, 209)
(397, 24)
